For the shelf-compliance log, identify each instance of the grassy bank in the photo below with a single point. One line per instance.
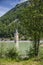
(33, 61)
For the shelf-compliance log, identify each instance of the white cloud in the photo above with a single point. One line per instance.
(23, 0)
(13, 3)
(3, 10)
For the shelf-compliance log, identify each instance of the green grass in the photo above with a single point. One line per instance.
(26, 62)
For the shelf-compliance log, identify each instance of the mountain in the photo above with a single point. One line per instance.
(7, 25)
(11, 15)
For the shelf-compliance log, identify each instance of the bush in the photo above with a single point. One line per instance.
(12, 38)
(12, 53)
(30, 53)
(0, 55)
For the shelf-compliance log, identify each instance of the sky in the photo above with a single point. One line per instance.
(6, 5)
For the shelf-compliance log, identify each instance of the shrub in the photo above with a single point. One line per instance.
(0, 55)
(12, 53)
(30, 53)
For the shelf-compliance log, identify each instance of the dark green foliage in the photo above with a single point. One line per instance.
(32, 22)
(12, 53)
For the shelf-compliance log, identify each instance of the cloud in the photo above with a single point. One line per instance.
(6, 5)
(22, 0)
(16, 2)
(13, 4)
(3, 10)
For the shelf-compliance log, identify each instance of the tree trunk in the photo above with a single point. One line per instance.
(36, 44)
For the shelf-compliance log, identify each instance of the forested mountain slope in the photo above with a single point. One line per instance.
(8, 18)
(11, 15)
